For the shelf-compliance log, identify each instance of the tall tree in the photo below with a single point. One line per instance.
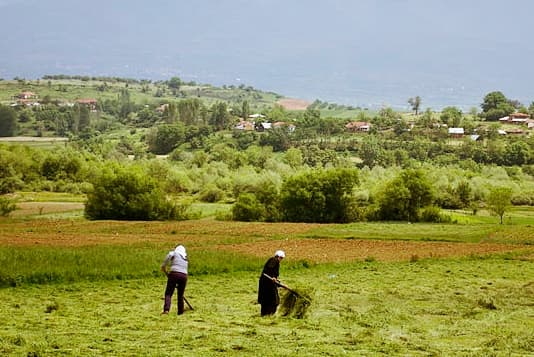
(8, 121)
(220, 118)
(415, 103)
(189, 110)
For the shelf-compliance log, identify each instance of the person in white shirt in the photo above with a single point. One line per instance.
(177, 262)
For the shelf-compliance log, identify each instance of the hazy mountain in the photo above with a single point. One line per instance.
(364, 52)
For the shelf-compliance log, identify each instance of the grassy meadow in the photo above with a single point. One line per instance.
(72, 287)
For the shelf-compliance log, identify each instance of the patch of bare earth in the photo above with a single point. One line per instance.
(294, 104)
(338, 251)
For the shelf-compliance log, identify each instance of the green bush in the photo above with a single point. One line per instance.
(211, 193)
(432, 214)
(128, 193)
(6, 206)
(322, 196)
(248, 208)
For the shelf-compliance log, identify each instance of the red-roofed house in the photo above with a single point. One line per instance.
(91, 103)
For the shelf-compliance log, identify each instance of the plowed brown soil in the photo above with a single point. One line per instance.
(256, 239)
(334, 250)
(294, 104)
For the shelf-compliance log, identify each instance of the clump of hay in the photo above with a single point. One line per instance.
(295, 303)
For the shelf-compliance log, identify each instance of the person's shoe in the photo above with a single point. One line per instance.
(165, 313)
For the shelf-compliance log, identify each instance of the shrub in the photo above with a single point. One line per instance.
(433, 214)
(248, 208)
(211, 193)
(323, 196)
(128, 193)
(6, 206)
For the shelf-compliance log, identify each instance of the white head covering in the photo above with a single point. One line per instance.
(180, 249)
(280, 253)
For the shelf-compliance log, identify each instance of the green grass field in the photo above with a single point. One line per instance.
(72, 287)
(461, 307)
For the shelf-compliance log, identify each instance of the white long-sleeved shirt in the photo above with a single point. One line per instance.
(178, 263)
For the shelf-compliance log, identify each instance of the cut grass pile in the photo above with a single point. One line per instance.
(295, 303)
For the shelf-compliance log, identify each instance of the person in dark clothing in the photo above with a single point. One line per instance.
(268, 296)
(176, 277)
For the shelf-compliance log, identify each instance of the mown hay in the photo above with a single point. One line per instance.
(295, 303)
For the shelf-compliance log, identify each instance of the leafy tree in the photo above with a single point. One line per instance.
(403, 197)
(189, 110)
(10, 179)
(219, 118)
(277, 138)
(415, 103)
(258, 201)
(128, 193)
(314, 156)
(495, 106)
(245, 109)
(170, 113)
(499, 201)
(8, 121)
(517, 153)
(146, 117)
(293, 157)
(277, 113)
(451, 116)
(323, 196)
(126, 106)
(64, 164)
(427, 119)
(371, 152)
(165, 138)
(174, 84)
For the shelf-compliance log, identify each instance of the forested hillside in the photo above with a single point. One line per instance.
(152, 148)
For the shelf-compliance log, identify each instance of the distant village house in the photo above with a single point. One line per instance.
(456, 132)
(358, 126)
(90, 103)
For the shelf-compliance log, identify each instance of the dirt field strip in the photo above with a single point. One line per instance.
(294, 104)
(338, 251)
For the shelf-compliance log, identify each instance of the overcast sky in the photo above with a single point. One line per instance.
(364, 52)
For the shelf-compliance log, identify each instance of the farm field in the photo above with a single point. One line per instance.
(79, 288)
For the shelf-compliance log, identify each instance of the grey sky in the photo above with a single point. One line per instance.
(365, 52)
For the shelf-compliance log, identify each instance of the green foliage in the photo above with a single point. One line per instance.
(128, 193)
(248, 208)
(433, 214)
(403, 197)
(499, 201)
(8, 121)
(495, 106)
(211, 193)
(451, 116)
(323, 196)
(165, 138)
(7, 205)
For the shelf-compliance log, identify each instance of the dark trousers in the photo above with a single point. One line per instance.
(176, 281)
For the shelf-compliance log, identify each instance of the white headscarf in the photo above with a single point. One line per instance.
(280, 253)
(180, 249)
